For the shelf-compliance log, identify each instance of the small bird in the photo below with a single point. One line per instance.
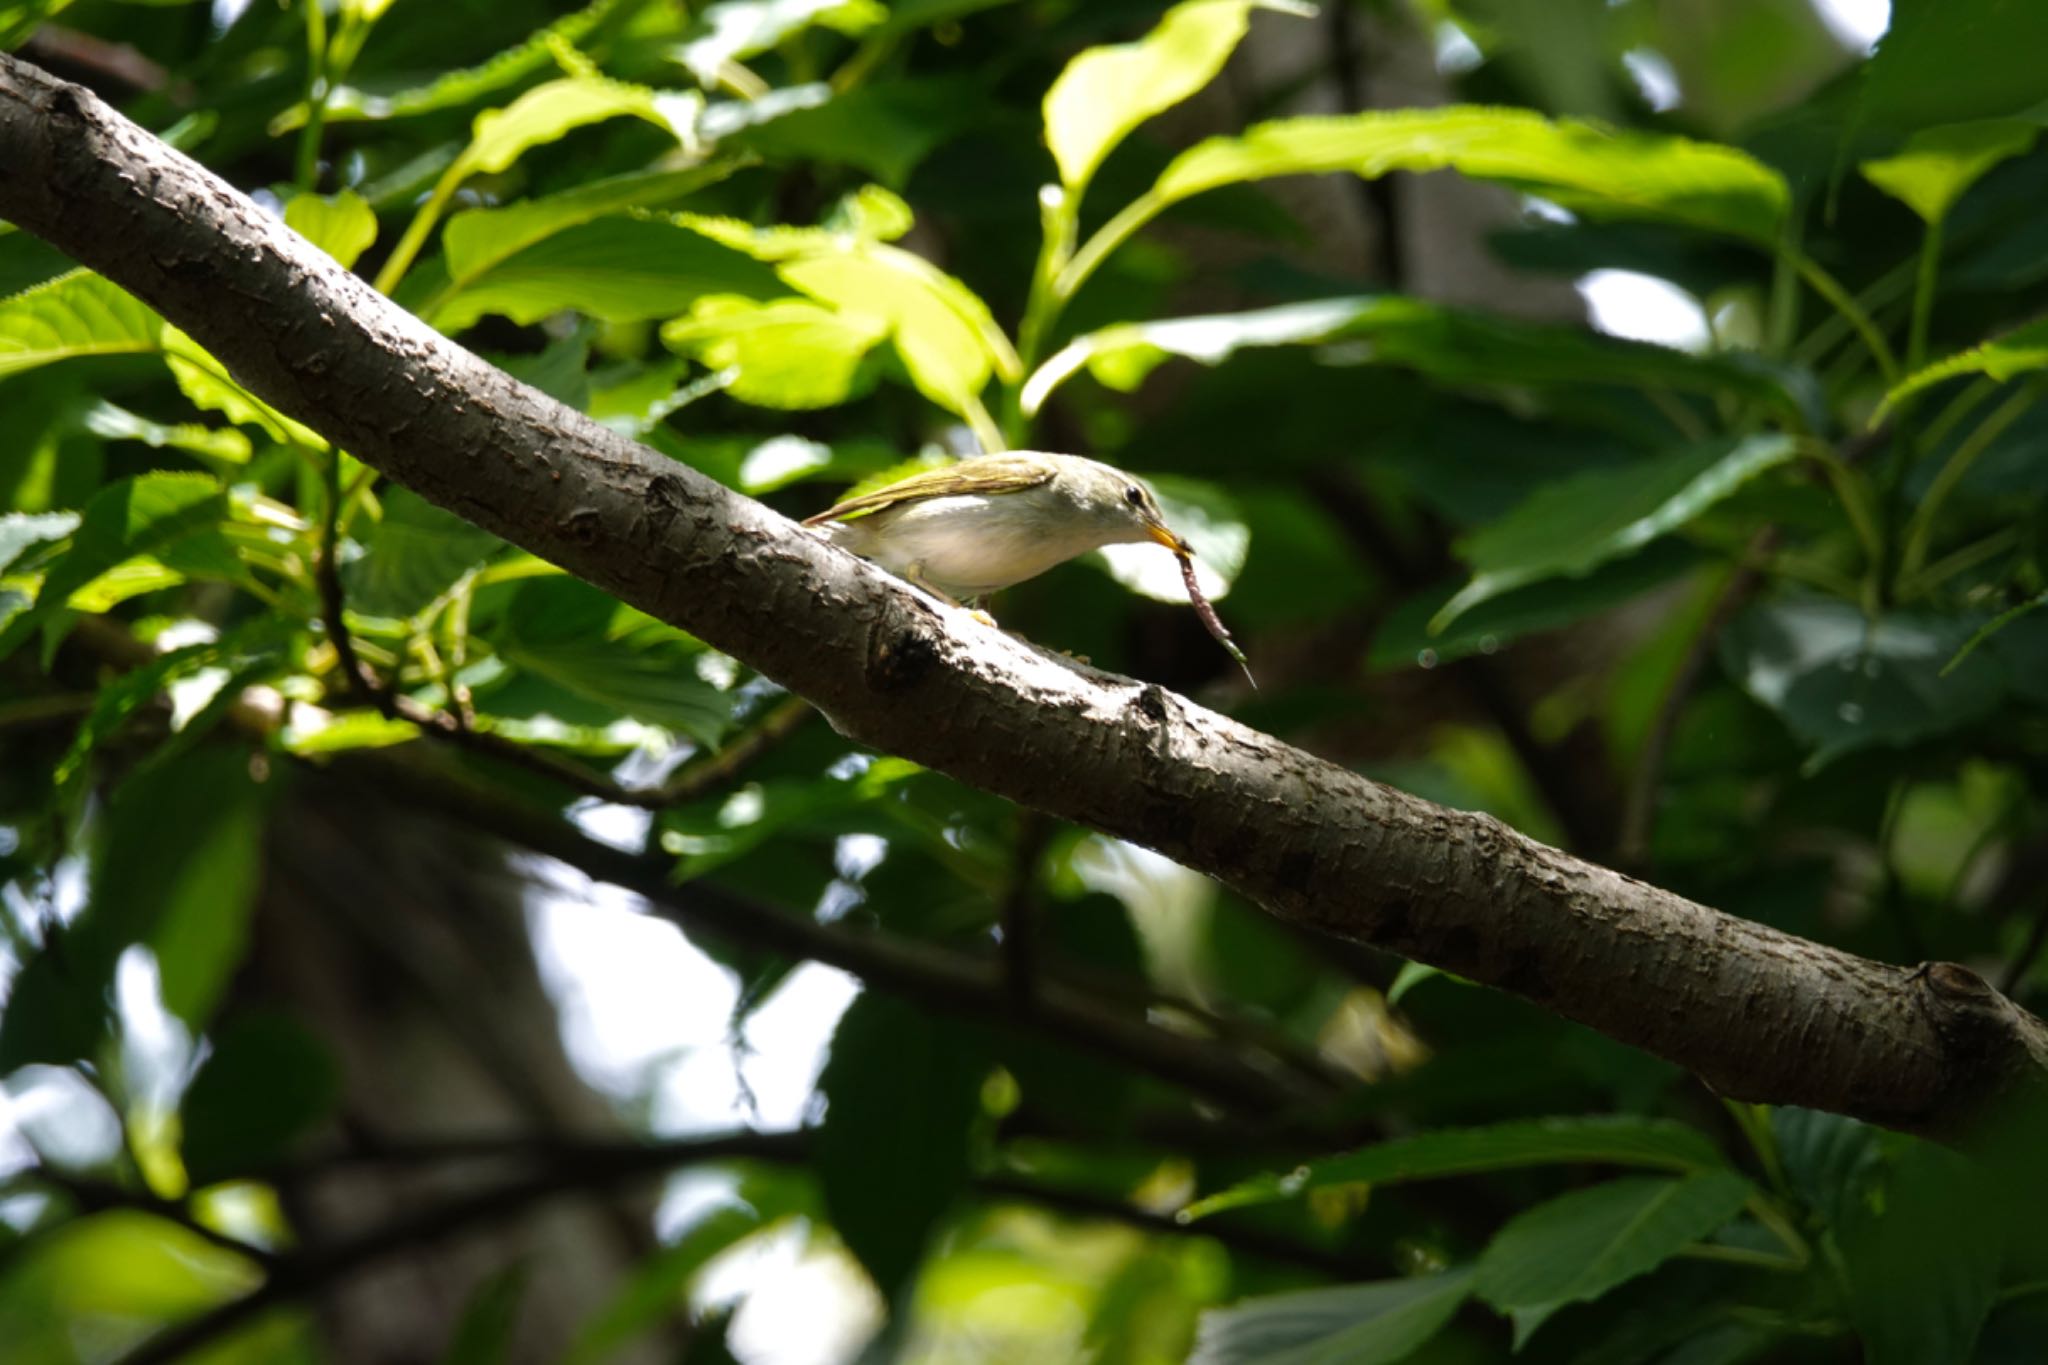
(978, 526)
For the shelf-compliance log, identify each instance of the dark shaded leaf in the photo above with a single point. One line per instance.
(902, 1091)
(268, 1082)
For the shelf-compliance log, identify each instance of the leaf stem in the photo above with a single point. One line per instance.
(306, 170)
(1854, 492)
(1920, 529)
(1829, 288)
(422, 223)
(1923, 297)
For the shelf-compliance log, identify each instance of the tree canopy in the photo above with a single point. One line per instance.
(1606, 933)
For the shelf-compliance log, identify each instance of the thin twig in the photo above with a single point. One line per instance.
(715, 771)
(598, 1167)
(452, 727)
(99, 1196)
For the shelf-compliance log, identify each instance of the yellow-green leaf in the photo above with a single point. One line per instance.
(341, 225)
(2001, 358)
(546, 112)
(79, 314)
(1581, 166)
(1938, 164)
(1105, 92)
(789, 353)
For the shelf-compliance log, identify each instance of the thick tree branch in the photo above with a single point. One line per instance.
(1758, 1014)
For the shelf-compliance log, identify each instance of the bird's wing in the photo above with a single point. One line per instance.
(983, 474)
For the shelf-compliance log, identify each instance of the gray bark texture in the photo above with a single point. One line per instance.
(1757, 1014)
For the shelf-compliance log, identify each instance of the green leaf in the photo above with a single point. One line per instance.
(786, 353)
(1574, 525)
(2017, 352)
(1938, 164)
(415, 554)
(56, 1010)
(74, 315)
(207, 383)
(1842, 682)
(1105, 92)
(1604, 1139)
(734, 29)
(584, 642)
(1353, 1324)
(127, 692)
(616, 269)
(1829, 1159)
(486, 1331)
(1404, 640)
(21, 532)
(478, 239)
(1923, 1262)
(884, 129)
(138, 516)
(350, 730)
(463, 86)
(1943, 61)
(546, 112)
(901, 1095)
(341, 225)
(1580, 1245)
(1581, 166)
(105, 420)
(1445, 343)
(941, 329)
(948, 340)
(180, 874)
(268, 1082)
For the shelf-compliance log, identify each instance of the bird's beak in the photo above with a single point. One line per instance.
(1170, 540)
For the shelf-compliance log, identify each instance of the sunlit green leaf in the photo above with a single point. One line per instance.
(79, 314)
(133, 517)
(617, 269)
(1581, 166)
(732, 29)
(349, 730)
(1578, 1246)
(1938, 164)
(1105, 92)
(477, 239)
(788, 353)
(2017, 352)
(206, 382)
(546, 112)
(1608, 1140)
(23, 531)
(341, 225)
(1571, 526)
(1378, 1323)
(112, 423)
(1451, 344)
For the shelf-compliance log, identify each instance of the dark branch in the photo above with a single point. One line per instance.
(1306, 840)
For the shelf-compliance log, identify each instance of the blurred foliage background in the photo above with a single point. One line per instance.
(312, 1035)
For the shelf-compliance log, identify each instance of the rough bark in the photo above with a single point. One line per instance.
(1756, 1013)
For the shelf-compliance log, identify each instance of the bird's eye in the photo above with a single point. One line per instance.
(1135, 496)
